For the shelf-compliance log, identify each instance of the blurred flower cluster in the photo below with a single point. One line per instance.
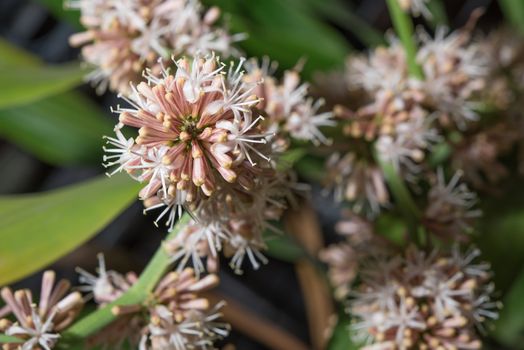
(416, 137)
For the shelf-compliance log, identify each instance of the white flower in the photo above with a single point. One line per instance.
(39, 333)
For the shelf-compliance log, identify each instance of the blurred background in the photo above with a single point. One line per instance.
(47, 144)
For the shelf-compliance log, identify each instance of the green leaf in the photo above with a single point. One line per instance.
(9, 339)
(339, 13)
(514, 12)
(286, 33)
(12, 55)
(289, 158)
(284, 247)
(58, 8)
(62, 129)
(37, 229)
(340, 339)
(438, 11)
(509, 328)
(153, 272)
(501, 241)
(28, 83)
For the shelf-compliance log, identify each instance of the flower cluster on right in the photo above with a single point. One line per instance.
(423, 147)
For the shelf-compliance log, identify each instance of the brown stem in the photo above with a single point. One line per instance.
(303, 224)
(261, 330)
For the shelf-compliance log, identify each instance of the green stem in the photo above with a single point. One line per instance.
(155, 269)
(404, 28)
(405, 202)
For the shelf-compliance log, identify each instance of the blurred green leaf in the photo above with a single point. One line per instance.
(286, 33)
(9, 339)
(340, 339)
(59, 10)
(289, 158)
(36, 229)
(66, 128)
(62, 129)
(284, 247)
(501, 233)
(514, 12)
(391, 227)
(12, 55)
(28, 83)
(311, 168)
(438, 11)
(339, 13)
(509, 329)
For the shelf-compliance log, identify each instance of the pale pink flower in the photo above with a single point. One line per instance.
(124, 37)
(39, 324)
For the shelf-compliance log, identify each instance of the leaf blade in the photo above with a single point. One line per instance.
(82, 209)
(22, 84)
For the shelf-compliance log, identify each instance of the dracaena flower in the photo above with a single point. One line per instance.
(456, 71)
(423, 301)
(123, 37)
(174, 316)
(196, 134)
(451, 207)
(358, 181)
(286, 103)
(38, 324)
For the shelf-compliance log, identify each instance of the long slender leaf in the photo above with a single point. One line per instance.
(286, 33)
(9, 339)
(62, 129)
(37, 229)
(22, 84)
(339, 13)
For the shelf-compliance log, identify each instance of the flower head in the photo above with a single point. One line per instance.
(39, 324)
(196, 134)
(358, 181)
(174, 316)
(423, 301)
(125, 36)
(455, 71)
(450, 212)
(286, 103)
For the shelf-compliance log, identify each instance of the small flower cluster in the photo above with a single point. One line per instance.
(175, 316)
(423, 301)
(38, 325)
(286, 104)
(391, 116)
(125, 37)
(343, 258)
(450, 211)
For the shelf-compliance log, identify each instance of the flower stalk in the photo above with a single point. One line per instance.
(153, 272)
(404, 28)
